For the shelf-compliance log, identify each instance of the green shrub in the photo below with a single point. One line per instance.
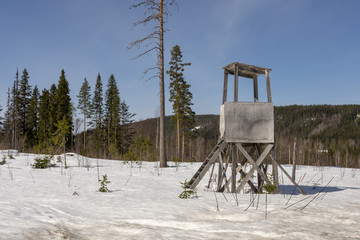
(103, 184)
(270, 188)
(3, 160)
(187, 193)
(44, 162)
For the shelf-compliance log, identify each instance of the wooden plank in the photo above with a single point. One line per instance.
(249, 182)
(211, 174)
(256, 89)
(267, 75)
(228, 150)
(275, 171)
(223, 174)
(233, 169)
(236, 82)
(243, 162)
(248, 157)
(220, 171)
(226, 75)
(282, 169)
(255, 166)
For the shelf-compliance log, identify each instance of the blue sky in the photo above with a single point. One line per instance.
(313, 47)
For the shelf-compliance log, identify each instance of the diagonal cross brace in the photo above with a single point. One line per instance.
(255, 166)
(284, 171)
(248, 157)
(229, 180)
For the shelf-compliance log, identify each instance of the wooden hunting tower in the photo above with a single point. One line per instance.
(246, 138)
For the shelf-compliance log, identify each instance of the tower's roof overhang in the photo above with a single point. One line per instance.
(245, 70)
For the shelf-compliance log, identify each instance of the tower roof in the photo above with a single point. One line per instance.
(245, 70)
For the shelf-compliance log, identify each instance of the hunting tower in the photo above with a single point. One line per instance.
(246, 138)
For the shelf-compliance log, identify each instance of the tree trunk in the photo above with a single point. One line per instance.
(294, 162)
(163, 162)
(178, 138)
(157, 133)
(84, 134)
(65, 151)
(183, 146)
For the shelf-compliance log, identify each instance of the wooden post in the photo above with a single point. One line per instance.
(294, 162)
(211, 174)
(275, 171)
(288, 176)
(233, 172)
(220, 172)
(226, 74)
(256, 91)
(267, 75)
(289, 155)
(236, 81)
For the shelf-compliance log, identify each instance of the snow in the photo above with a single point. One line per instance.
(58, 203)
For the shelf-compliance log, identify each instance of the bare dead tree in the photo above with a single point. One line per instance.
(154, 41)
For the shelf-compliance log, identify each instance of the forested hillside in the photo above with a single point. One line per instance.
(324, 135)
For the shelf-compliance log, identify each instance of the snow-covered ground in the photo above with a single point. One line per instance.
(58, 203)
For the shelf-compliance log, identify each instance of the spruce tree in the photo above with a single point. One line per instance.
(180, 96)
(1, 119)
(24, 101)
(127, 132)
(14, 113)
(97, 103)
(112, 115)
(97, 111)
(45, 127)
(64, 106)
(33, 118)
(7, 121)
(85, 105)
(59, 137)
(53, 107)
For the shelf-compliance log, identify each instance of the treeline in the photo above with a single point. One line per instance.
(46, 122)
(200, 141)
(325, 135)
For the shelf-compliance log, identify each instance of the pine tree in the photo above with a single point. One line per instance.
(59, 137)
(45, 126)
(33, 118)
(180, 96)
(127, 133)
(53, 107)
(15, 113)
(97, 103)
(1, 120)
(97, 111)
(24, 101)
(64, 106)
(7, 121)
(85, 105)
(112, 114)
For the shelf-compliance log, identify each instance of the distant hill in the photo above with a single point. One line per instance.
(325, 134)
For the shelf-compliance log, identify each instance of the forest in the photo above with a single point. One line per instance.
(101, 125)
(46, 122)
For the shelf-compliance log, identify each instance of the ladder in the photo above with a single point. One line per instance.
(211, 158)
